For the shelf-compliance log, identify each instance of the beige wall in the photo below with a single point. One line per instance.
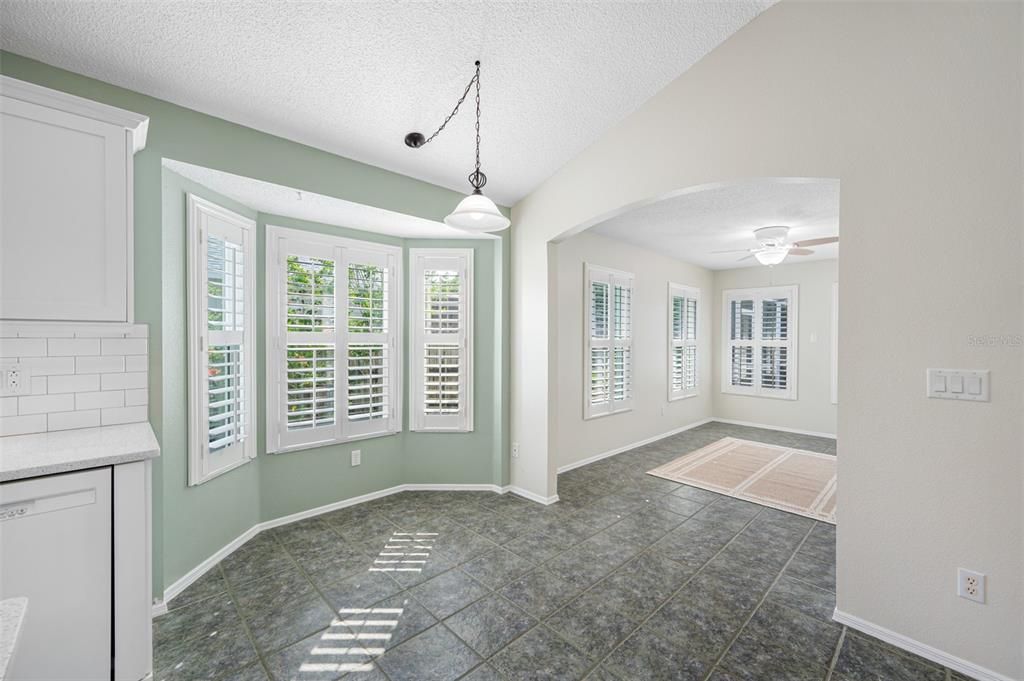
(652, 414)
(812, 410)
(917, 109)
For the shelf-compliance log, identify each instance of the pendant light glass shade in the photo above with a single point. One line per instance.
(477, 213)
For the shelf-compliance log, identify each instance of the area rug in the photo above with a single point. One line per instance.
(788, 479)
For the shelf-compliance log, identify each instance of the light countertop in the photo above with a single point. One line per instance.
(29, 456)
(12, 614)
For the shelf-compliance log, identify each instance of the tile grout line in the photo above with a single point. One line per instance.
(229, 590)
(540, 621)
(835, 654)
(675, 593)
(739, 631)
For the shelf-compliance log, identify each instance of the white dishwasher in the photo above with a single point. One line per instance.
(56, 550)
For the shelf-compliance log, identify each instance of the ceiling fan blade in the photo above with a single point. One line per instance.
(746, 257)
(738, 250)
(800, 251)
(817, 242)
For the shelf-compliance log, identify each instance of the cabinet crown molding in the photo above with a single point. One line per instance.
(137, 125)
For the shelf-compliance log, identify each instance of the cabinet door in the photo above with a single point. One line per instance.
(55, 549)
(64, 223)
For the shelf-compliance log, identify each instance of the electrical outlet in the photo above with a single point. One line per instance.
(970, 585)
(357, 457)
(515, 450)
(17, 380)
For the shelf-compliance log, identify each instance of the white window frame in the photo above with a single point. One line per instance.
(285, 241)
(461, 261)
(757, 342)
(611, 278)
(203, 219)
(687, 293)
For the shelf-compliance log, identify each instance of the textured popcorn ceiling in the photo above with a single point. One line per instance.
(354, 77)
(692, 225)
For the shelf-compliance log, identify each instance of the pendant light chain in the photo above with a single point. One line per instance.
(477, 179)
(465, 93)
(415, 140)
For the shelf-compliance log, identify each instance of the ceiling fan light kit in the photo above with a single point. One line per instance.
(771, 256)
(774, 248)
(476, 212)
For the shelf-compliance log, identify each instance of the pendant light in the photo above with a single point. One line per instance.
(476, 212)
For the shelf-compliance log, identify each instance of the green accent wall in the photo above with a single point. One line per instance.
(191, 523)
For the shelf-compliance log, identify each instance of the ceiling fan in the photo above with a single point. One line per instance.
(774, 248)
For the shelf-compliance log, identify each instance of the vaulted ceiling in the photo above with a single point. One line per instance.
(354, 77)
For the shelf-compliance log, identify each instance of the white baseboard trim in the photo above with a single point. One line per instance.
(199, 570)
(625, 448)
(924, 650)
(160, 606)
(813, 433)
(527, 494)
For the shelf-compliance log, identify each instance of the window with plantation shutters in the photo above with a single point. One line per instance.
(221, 332)
(608, 360)
(759, 326)
(333, 324)
(442, 332)
(683, 302)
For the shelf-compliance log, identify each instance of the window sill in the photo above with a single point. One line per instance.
(328, 443)
(216, 474)
(676, 398)
(792, 397)
(591, 417)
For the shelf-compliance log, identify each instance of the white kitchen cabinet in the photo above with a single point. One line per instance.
(66, 167)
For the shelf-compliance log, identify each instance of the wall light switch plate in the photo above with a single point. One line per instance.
(357, 457)
(958, 384)
(15, 379)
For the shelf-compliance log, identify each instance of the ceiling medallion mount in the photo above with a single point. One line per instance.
(476, 212)
(415, 140)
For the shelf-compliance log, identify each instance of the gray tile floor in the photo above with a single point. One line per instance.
(627, 578)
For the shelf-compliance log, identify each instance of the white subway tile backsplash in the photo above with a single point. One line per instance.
(135, 379)
(82, 375)
(99, 365)
(22, 347)
(73, 419)
(124, 346)
(8, 406)
(48, 366)
(75, 383)
(38, 386)
(70, 347)
(111, 417)
(134, 398)
(100, 400)
(21, 425)
(136, 363)
(40, 404)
